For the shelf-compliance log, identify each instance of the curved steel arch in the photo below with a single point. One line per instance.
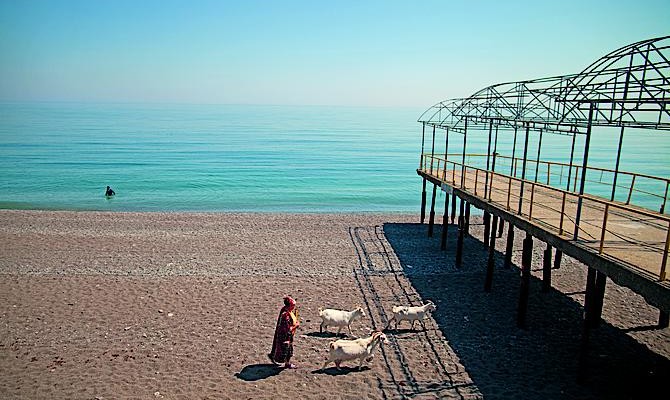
(627, 87)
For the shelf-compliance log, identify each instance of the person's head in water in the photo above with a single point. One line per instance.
(109, 191)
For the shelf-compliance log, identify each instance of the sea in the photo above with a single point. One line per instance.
(254, 158)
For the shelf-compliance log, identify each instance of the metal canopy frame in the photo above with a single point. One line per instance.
(629, 87)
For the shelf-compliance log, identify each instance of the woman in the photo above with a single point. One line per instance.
(287, 323)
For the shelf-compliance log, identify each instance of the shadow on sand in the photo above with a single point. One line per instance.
(333, 371)
(503, 360)
(322, 335)
(257, 372)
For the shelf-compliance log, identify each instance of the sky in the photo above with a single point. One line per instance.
(350, 53)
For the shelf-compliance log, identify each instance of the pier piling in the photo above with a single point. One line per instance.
(526, 260)
(510, 246)
(431, 217)
(546, 269)
(491, 260)
(445, 224)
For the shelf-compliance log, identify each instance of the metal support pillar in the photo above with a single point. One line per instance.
(584, 167)
(546, 269)
(493, 164)
(461, 233)
(431, 218)
(586, 325)
(618, 161)
(423, 201)
(599, 296)
(663, 319)
(589, 296)
(487, 228)
(465, 142)
(491, 260)
(445, 223)
(526, 260)
(453, 207)
(510, 246)
(467, 218)
(557, 259)
(501, 226)
(582, 365)
(523, 171)
(488, 162)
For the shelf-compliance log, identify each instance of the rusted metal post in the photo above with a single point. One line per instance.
(560, 227)
(532, 199)
(431, 217)
(509, 192)
(465, 142)
(432, 154)
(618, 160)
(493, 164)
(526, 260)
(572, 157)
(630, 191)
(446, 152)
(523, 171)
(603, 229)
(546, 269)
(488, 161)
(584, 167)
(512, 171)
(423, 138)
(664, 261)
(491, 260)
(510, 246)
(537, 162)
(665, 197)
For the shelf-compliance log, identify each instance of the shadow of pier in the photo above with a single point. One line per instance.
(504, 361)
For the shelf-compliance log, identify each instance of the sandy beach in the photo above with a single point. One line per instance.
(183, 305)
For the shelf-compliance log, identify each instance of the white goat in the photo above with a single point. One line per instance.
(407, 313)
(339, 318)
(361, 349)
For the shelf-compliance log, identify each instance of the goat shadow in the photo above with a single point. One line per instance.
(333, 371)
(255, 372)
(404, 331)
(326, 335)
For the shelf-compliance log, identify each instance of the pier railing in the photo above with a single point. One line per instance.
(637, 236)
(642, 190)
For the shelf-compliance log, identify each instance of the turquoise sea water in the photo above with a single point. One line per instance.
(239, 158)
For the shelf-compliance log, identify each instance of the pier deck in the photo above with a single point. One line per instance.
(628, 244)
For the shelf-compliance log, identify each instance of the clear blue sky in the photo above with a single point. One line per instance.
(399, 53)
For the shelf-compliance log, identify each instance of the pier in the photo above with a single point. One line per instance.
(613, 221)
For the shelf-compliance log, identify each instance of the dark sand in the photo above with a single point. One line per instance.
(161, 305)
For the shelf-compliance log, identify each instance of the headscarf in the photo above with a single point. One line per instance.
(290, 308)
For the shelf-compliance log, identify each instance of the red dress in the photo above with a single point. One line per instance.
(282, 344)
